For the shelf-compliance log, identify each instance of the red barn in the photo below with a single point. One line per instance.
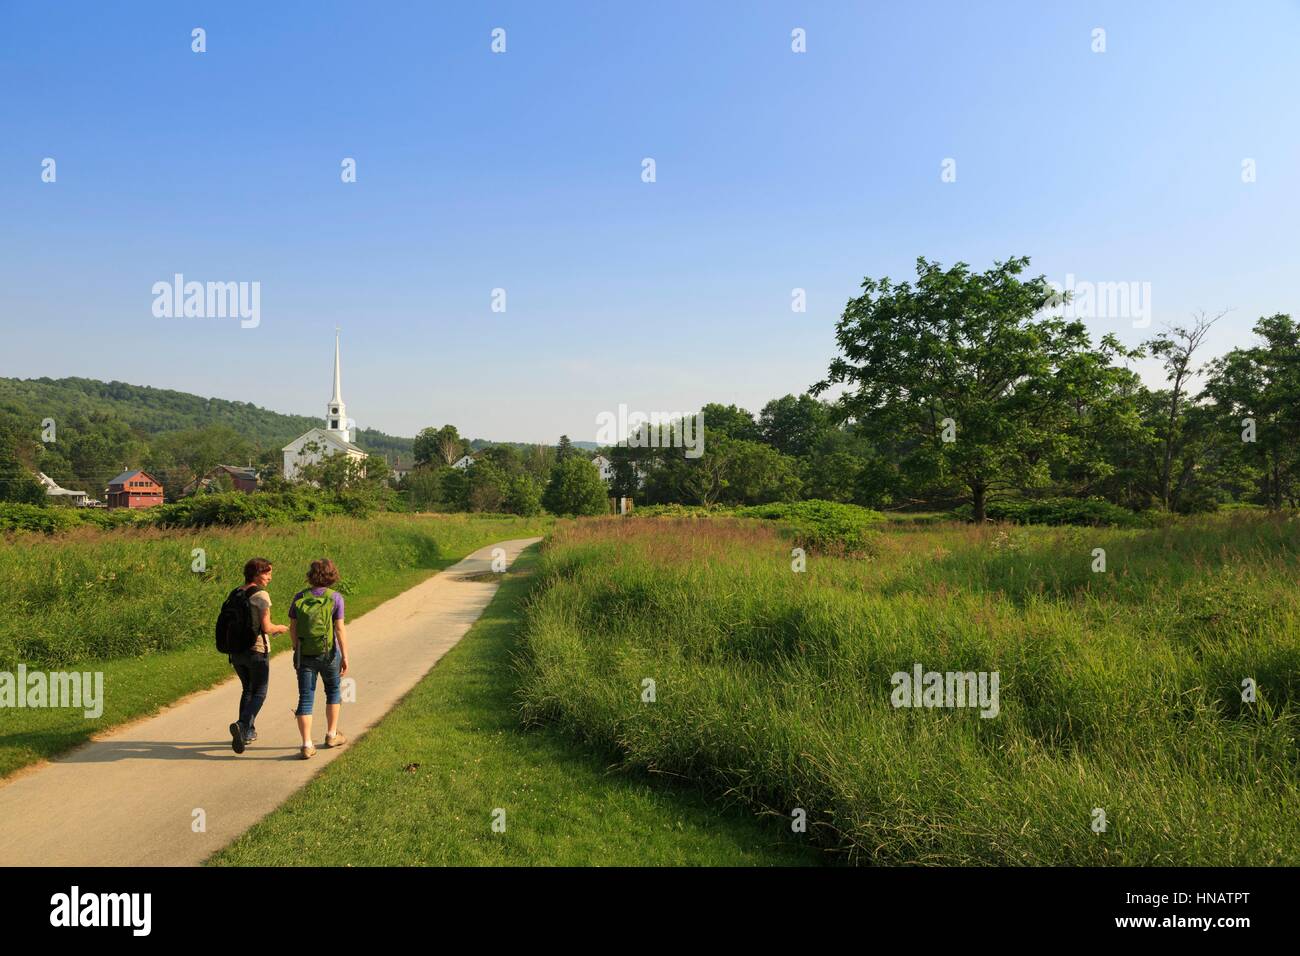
(134, 489)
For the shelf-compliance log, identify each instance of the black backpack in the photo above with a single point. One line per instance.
(237, 629)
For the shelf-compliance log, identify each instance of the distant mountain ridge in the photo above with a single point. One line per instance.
(153, 411)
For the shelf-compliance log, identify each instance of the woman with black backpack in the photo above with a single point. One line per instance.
(245, 628)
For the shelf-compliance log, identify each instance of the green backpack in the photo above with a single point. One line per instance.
(314, 615)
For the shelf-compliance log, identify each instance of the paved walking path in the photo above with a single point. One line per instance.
(128, 798)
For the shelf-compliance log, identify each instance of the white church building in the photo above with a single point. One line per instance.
(334, 439)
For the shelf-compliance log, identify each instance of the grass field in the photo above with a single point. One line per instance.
(421, 787)
(128, 603)
(1120, 690)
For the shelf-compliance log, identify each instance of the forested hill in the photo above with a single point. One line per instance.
(151, 411)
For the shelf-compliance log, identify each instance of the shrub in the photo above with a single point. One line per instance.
(235, 507)
(823, 525)
(1093, 512)
(678, 511)
(16, 516)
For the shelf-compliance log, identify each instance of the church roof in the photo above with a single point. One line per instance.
(329, 436)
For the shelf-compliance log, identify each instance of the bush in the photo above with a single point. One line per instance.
(576, 488)
(679, 511)
(108, 517)
(1093, 512)
(237, 507)
(823, 525)
(15, 516)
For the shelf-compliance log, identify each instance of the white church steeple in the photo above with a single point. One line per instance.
(336, 420)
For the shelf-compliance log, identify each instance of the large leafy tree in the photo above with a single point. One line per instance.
(730, 421)
(731, 471)
(576, 488)
(1256, 397)
(795, 426)
(1176, 347)
(438, 446)
(488, 485)
(960, 374)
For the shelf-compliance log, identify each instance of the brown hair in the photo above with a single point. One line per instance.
(323, 573)
(254, 567)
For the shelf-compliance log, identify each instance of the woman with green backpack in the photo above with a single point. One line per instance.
(319, 647)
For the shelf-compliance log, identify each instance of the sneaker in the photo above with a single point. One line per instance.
(237, 738)
(250, 736)
(308, 751)
(337, 740)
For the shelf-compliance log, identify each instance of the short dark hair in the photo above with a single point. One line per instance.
(323, 573)
(254, 567)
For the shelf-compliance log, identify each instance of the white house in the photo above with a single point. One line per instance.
(52, 489)
(333, 439)
(463, 462)
(606, 467)
(607, 470)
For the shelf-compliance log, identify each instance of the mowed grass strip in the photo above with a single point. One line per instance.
(127, 603)
(1121, 691)
(422, 786)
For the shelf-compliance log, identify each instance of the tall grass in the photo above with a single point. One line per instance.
(1120, 691)
(101, 595)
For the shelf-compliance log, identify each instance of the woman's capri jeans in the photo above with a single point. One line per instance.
(328, 668)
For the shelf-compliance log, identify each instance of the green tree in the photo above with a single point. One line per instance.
(523, 495)
(576, 488)
(488, 486)
(1256, 400)
(959, 374)
(438, 446)
(729, 421)
(754, 473)
(795, 426)
(538, 461)
(1176, 348)
(832, 477)
(17, 483)
(564, 450)
(505, 457)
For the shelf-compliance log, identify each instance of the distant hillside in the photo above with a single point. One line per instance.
(152, 411)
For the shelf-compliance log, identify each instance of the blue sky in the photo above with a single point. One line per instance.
(522, 171)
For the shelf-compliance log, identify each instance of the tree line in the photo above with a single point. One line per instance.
(949, 389)
(961, 385)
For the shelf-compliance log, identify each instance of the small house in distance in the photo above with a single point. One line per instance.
(605, 466)
(134, 489)
(59, 494)
(241, 479)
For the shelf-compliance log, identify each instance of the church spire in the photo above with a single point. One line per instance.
(337, 397)
(336, 421)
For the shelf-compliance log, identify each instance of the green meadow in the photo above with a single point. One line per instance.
(1125, 732)
(686, 689)
(139, 605)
